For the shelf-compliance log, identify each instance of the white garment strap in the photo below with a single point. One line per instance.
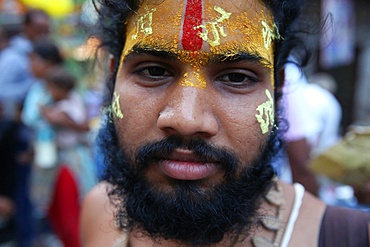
(299, 192)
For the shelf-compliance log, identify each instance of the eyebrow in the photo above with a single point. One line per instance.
(165, 53)
(240, 56)
(155, 52)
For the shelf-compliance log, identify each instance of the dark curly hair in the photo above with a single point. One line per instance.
(113, 14)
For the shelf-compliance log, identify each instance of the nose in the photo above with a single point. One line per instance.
(188, 112)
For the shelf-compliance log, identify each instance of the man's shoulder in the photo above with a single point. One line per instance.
(336, 213)
(343, 225)
(319, 224)
(97, 218)
(303, 215)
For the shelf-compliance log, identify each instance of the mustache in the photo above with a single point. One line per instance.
(202, 150)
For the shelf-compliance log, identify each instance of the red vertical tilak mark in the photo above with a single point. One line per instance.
(193, 17)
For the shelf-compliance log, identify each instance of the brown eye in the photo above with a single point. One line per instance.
(236, 77)
(152, 75)
(156, 71)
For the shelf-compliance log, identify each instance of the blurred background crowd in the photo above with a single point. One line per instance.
(50, 98)
(51, 94)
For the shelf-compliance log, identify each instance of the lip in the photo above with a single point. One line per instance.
(183, 165)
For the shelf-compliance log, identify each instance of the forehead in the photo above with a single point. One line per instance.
(216, 26)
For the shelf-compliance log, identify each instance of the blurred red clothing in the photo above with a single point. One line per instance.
(64, 212)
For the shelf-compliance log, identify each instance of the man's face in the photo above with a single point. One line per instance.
(192, 111)
(196, 70)
(39, 28)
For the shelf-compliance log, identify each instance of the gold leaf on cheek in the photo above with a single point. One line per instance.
(265, 115)
(116, 107)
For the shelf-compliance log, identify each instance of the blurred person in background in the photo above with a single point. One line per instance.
(24, 215)
(15, 157)
(4, 39)
(75, 173)
(15, 80)
(45, 55)
(15, 74)
(7, 32)
(8, 130)
(314, 115)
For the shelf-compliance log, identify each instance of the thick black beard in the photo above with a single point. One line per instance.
(187, 213)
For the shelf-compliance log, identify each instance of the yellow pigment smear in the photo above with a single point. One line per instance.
(265, 115)
(216, 29)
(196, 80)
(144, 23)
(269, 34)
(226, 30)
(116, 107)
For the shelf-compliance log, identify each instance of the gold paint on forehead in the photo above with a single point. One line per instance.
(269, 34)
(253, 33)
(225, 29)
(144, 23)
(194, 79)
(157, 19)
(116, 107)
(196, 60)
(266, 113)
(215, 27)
